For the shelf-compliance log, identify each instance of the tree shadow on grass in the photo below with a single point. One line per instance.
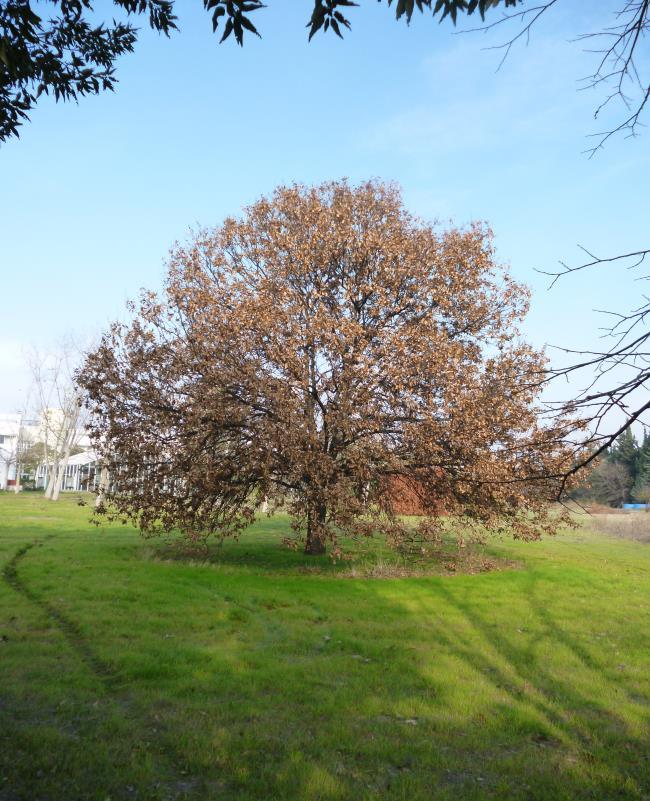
(288, 688)
(573, 709)
(265, 550)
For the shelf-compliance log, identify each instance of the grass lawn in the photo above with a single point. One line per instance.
(125, 674)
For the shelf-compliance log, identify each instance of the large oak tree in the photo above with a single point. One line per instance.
(308, 352)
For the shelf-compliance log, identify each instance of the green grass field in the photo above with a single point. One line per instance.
(128, 674)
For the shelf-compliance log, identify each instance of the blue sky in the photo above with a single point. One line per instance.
(95, 194)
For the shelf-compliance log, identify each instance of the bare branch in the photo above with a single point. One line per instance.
(616, 66)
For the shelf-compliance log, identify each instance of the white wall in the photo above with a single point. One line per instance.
(7, 457)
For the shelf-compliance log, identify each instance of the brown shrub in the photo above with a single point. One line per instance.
(405, 497)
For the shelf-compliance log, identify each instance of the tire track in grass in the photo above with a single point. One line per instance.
(171, 779)
(70, 630)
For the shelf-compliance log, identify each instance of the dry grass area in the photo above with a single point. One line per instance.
(601, 509)
(465, 561)
(619, 523)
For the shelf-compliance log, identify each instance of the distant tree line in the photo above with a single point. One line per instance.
(623, 475)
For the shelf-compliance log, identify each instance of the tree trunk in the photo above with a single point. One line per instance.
(60, 472)
(52, 474)
(315, 542)
(71, 434)
(103, 487)
(48, 472)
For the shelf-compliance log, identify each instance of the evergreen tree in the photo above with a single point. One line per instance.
(641, 488)
(610, 483)
(625, 451)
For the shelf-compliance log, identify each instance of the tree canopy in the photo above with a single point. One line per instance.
(308, 352)
(70, 55)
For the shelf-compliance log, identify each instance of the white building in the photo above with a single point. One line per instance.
(10, 428)
(18, 432)
(81, 473)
